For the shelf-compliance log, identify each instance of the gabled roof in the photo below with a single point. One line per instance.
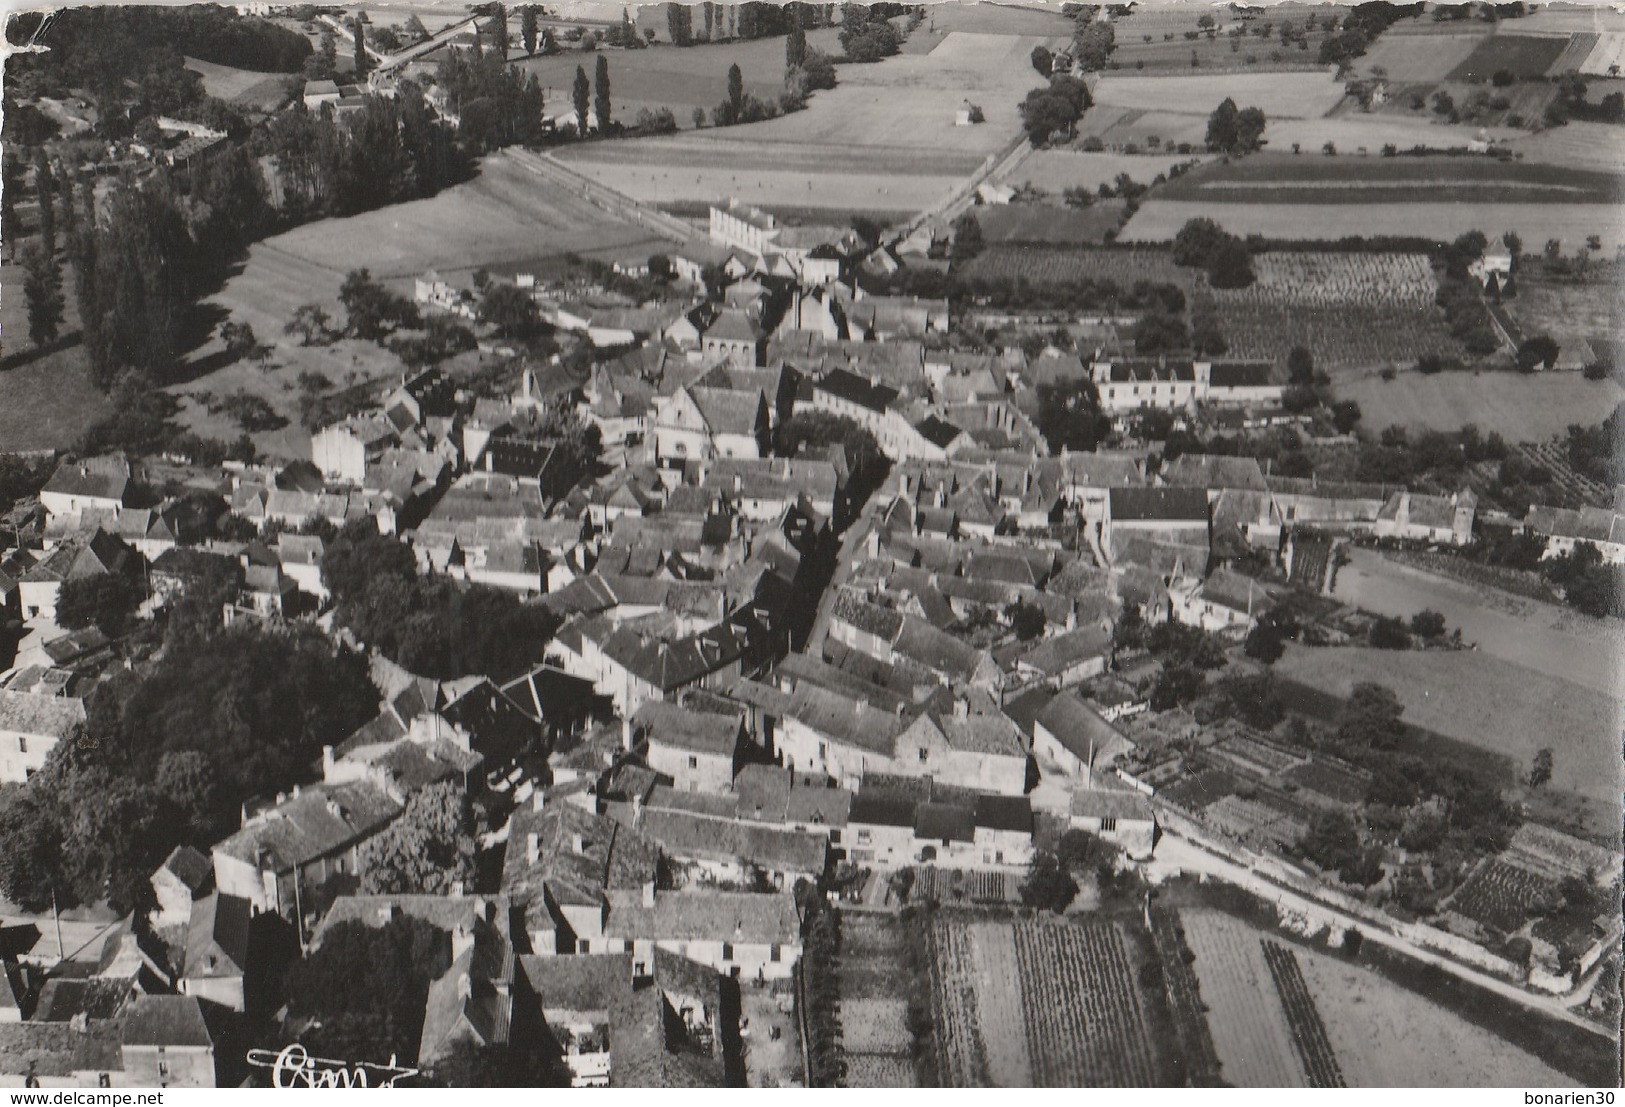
(217, 937)
(849, 386)
(42, 716)
(1081, 730)
(321, 819)
(697, 732)
(171, 1022)
(745, 917)
(1158, 504)
(190, 867)
(1099, 803)
(104, 477)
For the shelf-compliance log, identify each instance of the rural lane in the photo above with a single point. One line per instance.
(1180, 855)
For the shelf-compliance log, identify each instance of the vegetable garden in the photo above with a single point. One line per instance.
(1249, 1026)
(1348, 337)
(1185, 1001)
(1498, 896)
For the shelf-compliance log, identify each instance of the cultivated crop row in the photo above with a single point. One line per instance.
(1336, 280)
(1499, 896)
(1085, 1023)
(1309, 1036)
(1351, 336)
(949, 885)
(1058, 266)
(1185, 1001)
(961, 1059)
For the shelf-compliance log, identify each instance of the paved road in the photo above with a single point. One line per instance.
(1175, 854)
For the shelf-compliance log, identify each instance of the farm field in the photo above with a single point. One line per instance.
(1521, 55)
(1409, 52)
(1387, 1037)
(1055, 171)
(46, 399)
(1042, 265)
(1520, 408)
(1280, 95)
(1050, 224)
(1160, 220)
(1153, 38)
(943, 19)
(1287, 179)
(1374, 1033)
(1119, 127)
(909, 101)
(1024, 1004)
(1592, 308)
(1485, 701)
(504, 215)
(882, 141)
(704, 167)
(245, 87)
(1345, 341)
(1249, 1025)
(679, 78)
(1577, 145)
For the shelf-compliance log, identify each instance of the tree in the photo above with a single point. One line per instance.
(499, 29)
(1197, 241)
(1264, 643)
(1300, 366)
(361, 555)
(1048, 886)
(1043, 60)
(1389, 634)
(679, 24)
(581, 96)
(967, 242)
(1221, 126)
(736, 93)
(1427, 624)
(865, 38)
(238, 339)
(429, 850)
(510, 309)
(1345, 416)
(310, 323)
(1231, 265)
(469, 1064)
(1537, 351)
(1370, 719)
(795, 44)
(1093, 43)
(1055, 108)
(360, 48)
(600, 101)
(105, 600)
(1026, 619)
(372, 310)
(1540, 771)
(527, 28)
(42, 292)
(1160, 332)
(1175, 686)
(1332, 841)
(1069, 415)
(45, 194)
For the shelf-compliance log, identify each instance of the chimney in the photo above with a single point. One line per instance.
(626, 734)
(649, 893)
(465, 987)
(961, 707)
(577, 844)
(536, 800)
(533, 848)
(386, 914)
(328, 760)
(296, 791)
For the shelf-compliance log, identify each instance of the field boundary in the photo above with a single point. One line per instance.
(602, 196)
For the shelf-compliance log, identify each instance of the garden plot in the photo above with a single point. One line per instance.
(1519, 408)
(1500, 896)
(1523, 56)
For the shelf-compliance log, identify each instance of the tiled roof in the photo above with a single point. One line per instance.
(682, 834)
(1081, 730)
(306, 827)
(44, 716)
(610, 856)
(671, 725)
(169, 1021)
(763, 918)
(101, 477)
(1101, 804)
(217, 936)
(190, 867)
(1167, 504)
(1214, 471)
